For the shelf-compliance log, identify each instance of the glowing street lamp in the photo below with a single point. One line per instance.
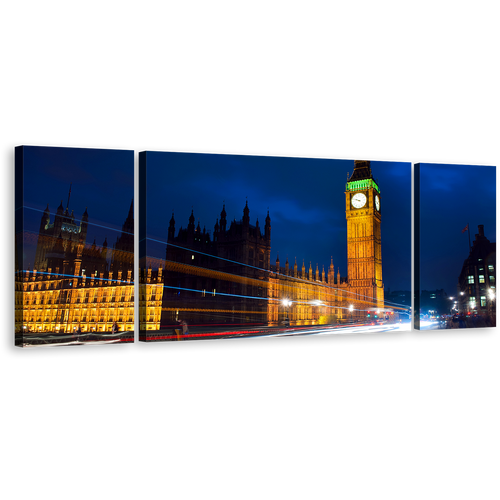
(491, 296)
(286, 303)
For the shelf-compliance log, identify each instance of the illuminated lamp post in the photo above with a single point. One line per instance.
(491, 296)
(286, 303)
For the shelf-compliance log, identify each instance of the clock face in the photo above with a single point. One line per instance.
(377, 203)
(358, 200)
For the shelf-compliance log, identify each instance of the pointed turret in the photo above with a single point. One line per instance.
(268, 227)
(223, 221)
(295, 272)
(45, 219)
(310, 271)
(287, 267)
(246, 219)
(171, 227)
(361, 171)
(278, 263)
(216, 230)
(246, 216)
(190, 228)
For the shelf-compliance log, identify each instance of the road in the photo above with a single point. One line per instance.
(52, 340)
(362, 329)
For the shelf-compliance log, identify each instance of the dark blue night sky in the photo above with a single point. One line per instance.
(305, 198)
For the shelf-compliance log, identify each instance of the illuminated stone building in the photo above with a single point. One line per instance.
(223, 279)
(307, 298)
(74, 283)
(226, 277)
(364, 242)
(477, 280)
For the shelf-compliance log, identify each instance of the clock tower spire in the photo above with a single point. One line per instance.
(364, 246)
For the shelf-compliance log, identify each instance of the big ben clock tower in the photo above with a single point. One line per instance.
(364, 246)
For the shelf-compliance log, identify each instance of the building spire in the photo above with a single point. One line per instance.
(131, 210)
(361, 171)
(69, 194)
(246, 212)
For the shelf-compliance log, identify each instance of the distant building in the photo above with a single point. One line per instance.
(436, 301)
(398, 298)
(477, 281)
(430, 300)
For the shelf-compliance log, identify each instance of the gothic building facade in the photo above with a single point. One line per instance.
(230, 279)
(223, 278)
(227, 277)
(218, 278)
(74, 283)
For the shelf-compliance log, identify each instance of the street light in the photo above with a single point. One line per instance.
(286, 303)
(491, 295)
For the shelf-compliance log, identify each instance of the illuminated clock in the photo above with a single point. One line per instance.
(377, 203)
(358, 200)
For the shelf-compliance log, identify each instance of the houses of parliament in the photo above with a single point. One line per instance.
(221, 278)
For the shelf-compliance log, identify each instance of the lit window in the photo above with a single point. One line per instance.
(192, 257)
(490, 267)
(483, 301)
(471, 279)
(481, 278)
(213, 292)
(492, 278)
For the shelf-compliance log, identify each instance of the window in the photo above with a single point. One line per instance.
(483, 301)
(471, 279)
(481, 278)
(490, 267)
